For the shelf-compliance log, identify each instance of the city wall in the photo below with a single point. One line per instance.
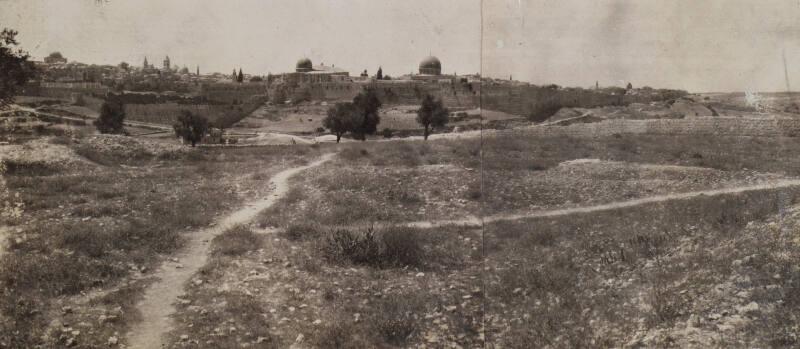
(701, 126)
(453, 95)
(524, 100)
(167, 113)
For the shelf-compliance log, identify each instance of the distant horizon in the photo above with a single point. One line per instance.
(713, 45)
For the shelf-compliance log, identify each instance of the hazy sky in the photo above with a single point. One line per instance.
(699, 45)
(260, 36)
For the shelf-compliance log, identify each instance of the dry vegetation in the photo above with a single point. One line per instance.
(333, 264)
(90, 217)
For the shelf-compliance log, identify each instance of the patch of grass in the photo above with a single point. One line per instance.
(301, 231)
(29, 168)
(236, 241)
(397, 318)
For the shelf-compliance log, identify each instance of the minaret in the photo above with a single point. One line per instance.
(198, 70)
(166, 64)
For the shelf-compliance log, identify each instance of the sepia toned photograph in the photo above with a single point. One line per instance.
(399, 174)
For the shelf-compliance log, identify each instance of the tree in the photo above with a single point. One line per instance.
(111, 119)
(190, 127)
(431, 114)
(256, 79)
(629, 87)
(367, 106)
(15, 69)
(240, 77)
(341, 119)
(379, 74)
(124, 66)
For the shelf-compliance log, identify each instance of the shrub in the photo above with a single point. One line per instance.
(350, 246)
(236, 241)
(190, 127)
(391, 247)
(387, 133)
(302, 231)
(111, 119)
(396, 318)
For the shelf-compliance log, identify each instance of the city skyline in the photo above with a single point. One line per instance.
(680, 45)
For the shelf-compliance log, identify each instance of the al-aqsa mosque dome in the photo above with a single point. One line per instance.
(430, 66)
(304, 65)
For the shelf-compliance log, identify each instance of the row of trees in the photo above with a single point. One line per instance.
(360, 117)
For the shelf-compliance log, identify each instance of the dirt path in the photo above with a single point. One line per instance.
(157, 305)
(476, 221)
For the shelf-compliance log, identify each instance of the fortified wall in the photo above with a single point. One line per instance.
(453, 94)
(64, 89)
(700, 126)
(524, 99)
(232, 93)
(167, 113)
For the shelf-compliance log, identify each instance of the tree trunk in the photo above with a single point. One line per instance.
(426, 132)
(193, 143)
(338, 137)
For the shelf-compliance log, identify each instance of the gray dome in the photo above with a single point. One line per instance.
(304, 65)
(430, 66)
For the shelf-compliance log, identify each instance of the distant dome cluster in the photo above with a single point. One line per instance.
(304, 65)
(430, 66)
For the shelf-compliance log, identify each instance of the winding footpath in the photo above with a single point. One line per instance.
(159, 298)
(477, 221)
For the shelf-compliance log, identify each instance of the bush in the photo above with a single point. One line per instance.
(387, 133)
(396, 318)
(190, 127)
(298, 232)
(111, 119)
(354, 247)
(236, 241)
(391, 247)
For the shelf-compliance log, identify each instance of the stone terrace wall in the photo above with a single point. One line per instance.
(723, 126)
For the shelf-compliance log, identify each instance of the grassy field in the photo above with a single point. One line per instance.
(333, 263)
(87, 227)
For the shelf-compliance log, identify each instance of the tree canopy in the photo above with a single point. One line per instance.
(431, 114)
(111, 119)
(190, 127)
(15, 69)
(367, 105)
(341, 119)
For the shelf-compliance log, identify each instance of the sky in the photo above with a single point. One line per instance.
(697, 45)
(257, 35)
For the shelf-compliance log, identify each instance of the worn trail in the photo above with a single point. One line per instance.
(159, 298)
(477, 221)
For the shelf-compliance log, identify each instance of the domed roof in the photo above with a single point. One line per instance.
(430, 65)
(304, 64)
(430, 62)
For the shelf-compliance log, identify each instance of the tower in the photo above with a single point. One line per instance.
(145, 65)
(166, 64)
(198, 70)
